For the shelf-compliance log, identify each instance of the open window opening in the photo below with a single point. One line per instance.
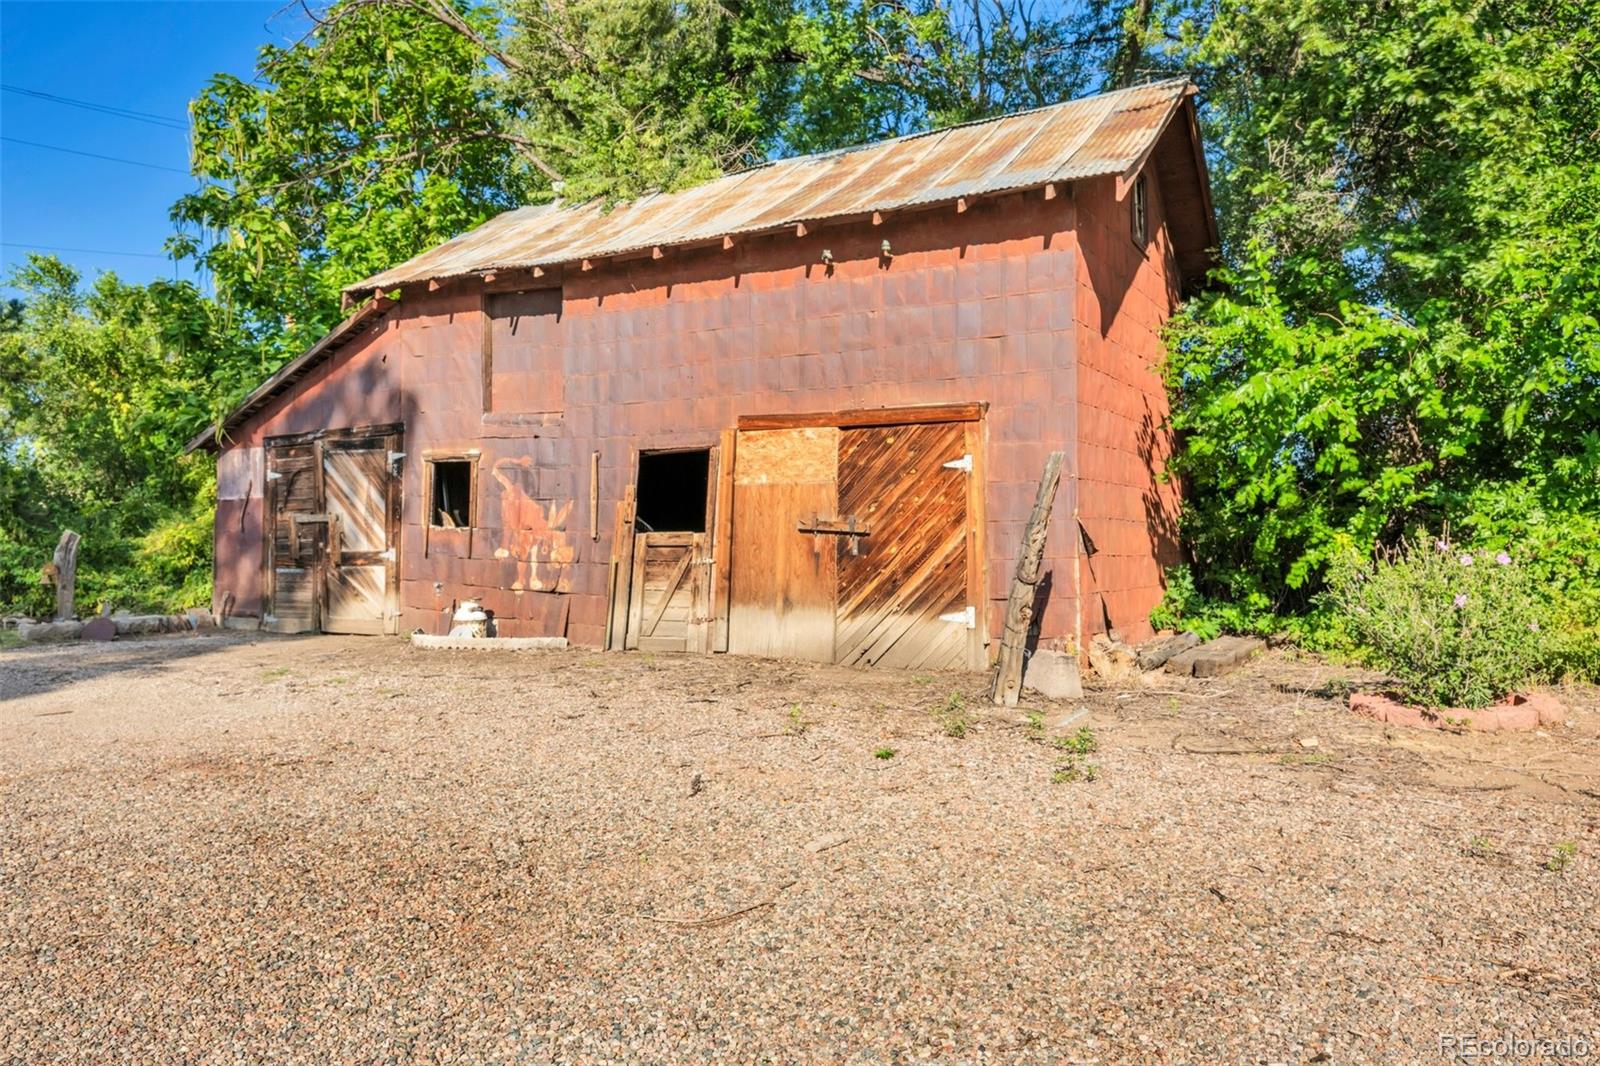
(672, 492)
(451, 504)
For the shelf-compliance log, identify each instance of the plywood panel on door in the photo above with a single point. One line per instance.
(781, 595)
(903, 589)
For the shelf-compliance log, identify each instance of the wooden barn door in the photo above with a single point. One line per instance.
(333, 533)
(363, 505)
(858, 544)
(670, 601)
(903, 588)
(781, 596)
(295, 537)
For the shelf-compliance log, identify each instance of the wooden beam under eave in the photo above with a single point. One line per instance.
(877, 218)
(1051, 191)
(961, 205)
(727, 243)
(800, 229)
(434, 284)
(489, 276)
(538, 272)
(657, 253)
(587, 264)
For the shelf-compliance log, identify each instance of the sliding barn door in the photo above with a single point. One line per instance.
(858, 545)
(781, 594)
(363, 507)
(903, 592)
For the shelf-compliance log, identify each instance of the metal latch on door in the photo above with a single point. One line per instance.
(849, 526)
(967, 616)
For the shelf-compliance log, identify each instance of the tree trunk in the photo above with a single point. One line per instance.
(1019, 607)
(66, 574)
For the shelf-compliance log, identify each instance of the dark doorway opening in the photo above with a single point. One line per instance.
(672, 491)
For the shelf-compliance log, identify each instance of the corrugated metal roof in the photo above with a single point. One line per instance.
(1106, 134)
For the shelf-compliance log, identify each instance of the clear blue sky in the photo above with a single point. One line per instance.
(141, 56)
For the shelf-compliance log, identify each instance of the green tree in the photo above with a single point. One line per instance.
(1407, 332)
(380, 134)
(102, 387)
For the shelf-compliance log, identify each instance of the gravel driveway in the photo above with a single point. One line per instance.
(219, 849)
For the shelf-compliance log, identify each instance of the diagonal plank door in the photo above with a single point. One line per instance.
(912, 567)
(359, 487)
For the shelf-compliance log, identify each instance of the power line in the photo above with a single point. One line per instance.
(104, 109)
(93, 155)
(80, 251)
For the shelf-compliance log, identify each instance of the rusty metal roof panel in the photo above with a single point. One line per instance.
(1106, 134)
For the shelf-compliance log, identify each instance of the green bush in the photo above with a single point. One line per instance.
(1456, 627)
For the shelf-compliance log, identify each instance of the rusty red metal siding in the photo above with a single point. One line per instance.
(1125, 295)
(973, 306)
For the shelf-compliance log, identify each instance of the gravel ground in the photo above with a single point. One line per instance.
(220, 849)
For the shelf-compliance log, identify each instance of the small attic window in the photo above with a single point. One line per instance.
(1140, 209)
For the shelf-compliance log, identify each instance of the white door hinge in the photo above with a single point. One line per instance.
(395, 457)
(273, 475)
(967, 616)
(387, 554)
(963, 463)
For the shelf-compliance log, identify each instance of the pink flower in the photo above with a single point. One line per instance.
(1441, 545)
(1503, 559)
(1461, 599)
(1533, 627)
(1466, 560)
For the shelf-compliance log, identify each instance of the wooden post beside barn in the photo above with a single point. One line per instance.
(1019, 606)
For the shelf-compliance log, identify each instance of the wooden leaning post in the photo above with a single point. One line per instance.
(1019, 606)
(62, 571)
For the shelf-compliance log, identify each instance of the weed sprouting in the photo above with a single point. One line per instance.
(883, 753)
(1561, 857)
(952, 716)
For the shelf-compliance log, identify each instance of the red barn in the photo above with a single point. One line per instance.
(799, 410)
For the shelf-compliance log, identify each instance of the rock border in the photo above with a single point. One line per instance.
(1518, 713)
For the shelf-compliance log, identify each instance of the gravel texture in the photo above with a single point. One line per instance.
(345, 849)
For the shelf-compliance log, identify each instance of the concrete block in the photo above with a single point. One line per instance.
(1053, 675)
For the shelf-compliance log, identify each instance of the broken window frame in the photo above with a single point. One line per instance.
(432, 461)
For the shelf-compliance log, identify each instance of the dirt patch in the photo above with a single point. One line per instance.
(344, 848)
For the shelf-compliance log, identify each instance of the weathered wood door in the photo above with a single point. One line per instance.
(295, 534)
(670, 603)
(332, 537)
(781, 599)
(858, 545)
(903, 588)
(361, 496)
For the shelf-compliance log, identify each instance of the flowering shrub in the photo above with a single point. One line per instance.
(1457, 628)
